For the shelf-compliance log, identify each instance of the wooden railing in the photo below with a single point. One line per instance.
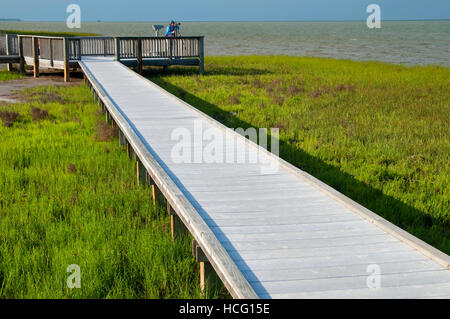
(9, 50)
(51, 49)
(50, 52)
(156, 47)
(97, 46)
(61, 52)
(2, 44)
(138, 48)
(90, 46)
(127, 47)
(177, 48)
(9, 44)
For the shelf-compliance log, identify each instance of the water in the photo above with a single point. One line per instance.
(403, 42)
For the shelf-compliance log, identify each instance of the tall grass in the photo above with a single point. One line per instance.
(377, 132)
(5, 75)
(68, 197)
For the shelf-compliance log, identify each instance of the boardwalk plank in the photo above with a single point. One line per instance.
(343, 250)
(318, 262)
(279, 275)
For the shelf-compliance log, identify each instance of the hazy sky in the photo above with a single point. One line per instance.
(223, 10)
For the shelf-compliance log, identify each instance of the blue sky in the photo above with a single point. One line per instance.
(224, 10)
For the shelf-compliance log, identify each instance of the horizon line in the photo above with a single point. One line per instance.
(222, 21)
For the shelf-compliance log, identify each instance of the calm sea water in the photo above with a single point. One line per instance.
(406, 42)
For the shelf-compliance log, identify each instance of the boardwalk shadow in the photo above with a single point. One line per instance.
(434, 231)
(217, 70)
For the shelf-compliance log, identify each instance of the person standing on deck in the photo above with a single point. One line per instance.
(171, 29)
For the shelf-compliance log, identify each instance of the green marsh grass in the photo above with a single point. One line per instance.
(5, 75)
(378, 133)
(68, 198)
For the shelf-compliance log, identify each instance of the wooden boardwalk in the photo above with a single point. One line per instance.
(280, 234)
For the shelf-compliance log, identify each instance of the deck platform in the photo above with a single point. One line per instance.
(278, 234)
(64, 52)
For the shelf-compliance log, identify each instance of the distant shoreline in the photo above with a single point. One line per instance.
(226, 21)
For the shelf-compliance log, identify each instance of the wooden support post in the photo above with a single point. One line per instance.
(122, 140)
(117, 131)
(160, 197)
(8, 51)
(51, 52)
(177, 228)
(201, 49)
(21, 57)
(139, 56)
(66, 60)
(141, 173)
(117, 49)
(152, 184)
(115, 127)
(209, 280)
(36, 56)
(157, 195)
(129, 150)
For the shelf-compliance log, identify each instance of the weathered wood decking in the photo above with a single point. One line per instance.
(267, 235)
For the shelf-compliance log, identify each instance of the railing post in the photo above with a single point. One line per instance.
(51, 52)
(117, 48)
(170, 48)
(139, 56)
(201, 49)
(35, 41)
(104, 47)
(8, 50)
(78, 50)
(66, 60)
(21, 57)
